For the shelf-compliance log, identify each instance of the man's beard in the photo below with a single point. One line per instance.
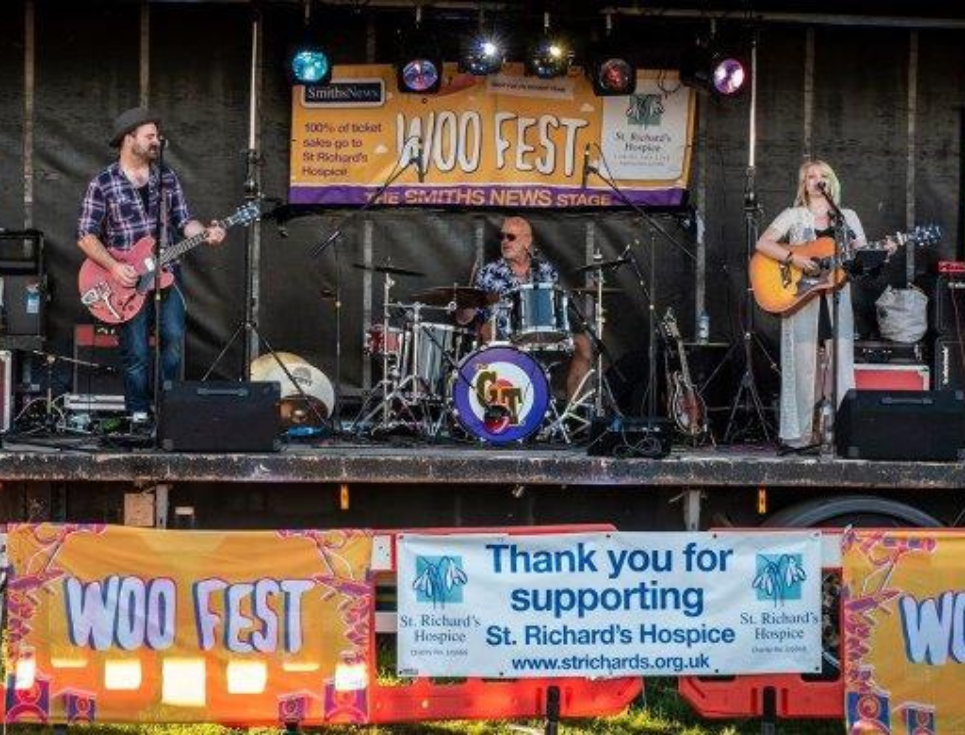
(147, 153)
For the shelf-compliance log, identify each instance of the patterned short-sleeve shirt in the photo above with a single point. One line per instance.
(498, 277)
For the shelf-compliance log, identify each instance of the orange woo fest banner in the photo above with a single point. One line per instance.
(506, 140)
(117, 624)
(903, 617)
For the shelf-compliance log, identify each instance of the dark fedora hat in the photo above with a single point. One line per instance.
(131, 120)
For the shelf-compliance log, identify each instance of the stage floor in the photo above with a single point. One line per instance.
(340, 461)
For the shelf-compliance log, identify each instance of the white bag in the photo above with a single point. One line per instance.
(902, 314)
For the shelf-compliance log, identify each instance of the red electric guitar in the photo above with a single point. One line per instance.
(113, 303)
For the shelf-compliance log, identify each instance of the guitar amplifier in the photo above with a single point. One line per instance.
(220, 416)
(901, 426)
(883, 351)
(949, 364)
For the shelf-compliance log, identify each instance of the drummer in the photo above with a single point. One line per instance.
(517, 266)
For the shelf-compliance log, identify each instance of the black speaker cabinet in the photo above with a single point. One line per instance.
(220, 416)
(901, 425)
(24, 305)
(949, 364)
(629, 437)
(949, 305)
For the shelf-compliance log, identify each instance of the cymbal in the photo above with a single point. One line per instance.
(394, 270)
(591, 290)
(465, 297)
(315, 385)
(601, 265)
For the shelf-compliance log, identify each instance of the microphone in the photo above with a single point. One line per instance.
(822, 186)
(586, 166)
(163, 143)
(418, 161)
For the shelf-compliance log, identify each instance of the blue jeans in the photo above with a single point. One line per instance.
(137, 354)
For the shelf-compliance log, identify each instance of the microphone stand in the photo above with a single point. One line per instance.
(651, 292)
(159, 241)
(332, 241)
(841, 243)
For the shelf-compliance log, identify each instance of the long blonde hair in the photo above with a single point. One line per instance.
(802, 199)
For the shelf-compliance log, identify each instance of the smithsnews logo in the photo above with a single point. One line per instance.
(345, 93)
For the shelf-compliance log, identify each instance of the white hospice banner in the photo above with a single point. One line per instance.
(609, 604)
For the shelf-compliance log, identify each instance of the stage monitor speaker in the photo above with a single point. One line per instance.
(901, 426)
(220, 416)
(24, 300)
(629, 437)
(949, 364)
(949, 306)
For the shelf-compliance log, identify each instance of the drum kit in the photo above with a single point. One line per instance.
(439, 381)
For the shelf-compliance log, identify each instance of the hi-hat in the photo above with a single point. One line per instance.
(394, 270)
(464, 297)
(601, 265)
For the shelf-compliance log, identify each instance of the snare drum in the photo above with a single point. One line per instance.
(431, 352)
(538, 318)
(500, 394)
(382, 342)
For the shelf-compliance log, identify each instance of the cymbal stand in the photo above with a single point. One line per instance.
(395, 402)
(592, 388)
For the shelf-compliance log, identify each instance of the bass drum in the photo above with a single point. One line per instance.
(500, 394)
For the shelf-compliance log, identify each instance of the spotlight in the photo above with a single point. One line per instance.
(310, 66)
(609, 69)
(420, 63)
(308, 63)
(548, 57)
(481, 56)
(707, 66)
(483, 53)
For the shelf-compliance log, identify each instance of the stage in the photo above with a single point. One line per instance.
(414, 463)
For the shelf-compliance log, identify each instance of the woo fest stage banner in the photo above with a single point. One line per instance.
(505, 140)
(609, 604)
(903, 609)
(118, 624)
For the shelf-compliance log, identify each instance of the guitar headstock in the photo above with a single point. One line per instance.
(925, 235)
(920, 235)
(669, 325)
(244, 215)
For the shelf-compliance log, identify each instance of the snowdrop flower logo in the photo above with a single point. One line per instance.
(779, 578)
(439, 580)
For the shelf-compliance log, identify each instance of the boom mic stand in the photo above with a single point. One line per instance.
(649, 293)
(252, 191)
(333, 240)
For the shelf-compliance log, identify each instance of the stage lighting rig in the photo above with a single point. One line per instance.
(483, 53)
(419, 67)
(609, 67)
(548, 56)
(708, 65)
(307, 62)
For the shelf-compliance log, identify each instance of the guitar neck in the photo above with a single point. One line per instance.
(684, 367)
(178, 249)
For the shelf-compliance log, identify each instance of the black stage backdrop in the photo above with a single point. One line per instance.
(87, 70)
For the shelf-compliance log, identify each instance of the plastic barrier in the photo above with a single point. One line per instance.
(784, 696)
(467, 699)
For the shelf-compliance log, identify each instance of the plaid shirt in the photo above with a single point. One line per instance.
(498, 277)
(113, 211)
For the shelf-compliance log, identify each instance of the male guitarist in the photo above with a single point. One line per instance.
(123, 205)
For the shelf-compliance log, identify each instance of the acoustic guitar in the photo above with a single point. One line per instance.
(113, 303)
(782, 288)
